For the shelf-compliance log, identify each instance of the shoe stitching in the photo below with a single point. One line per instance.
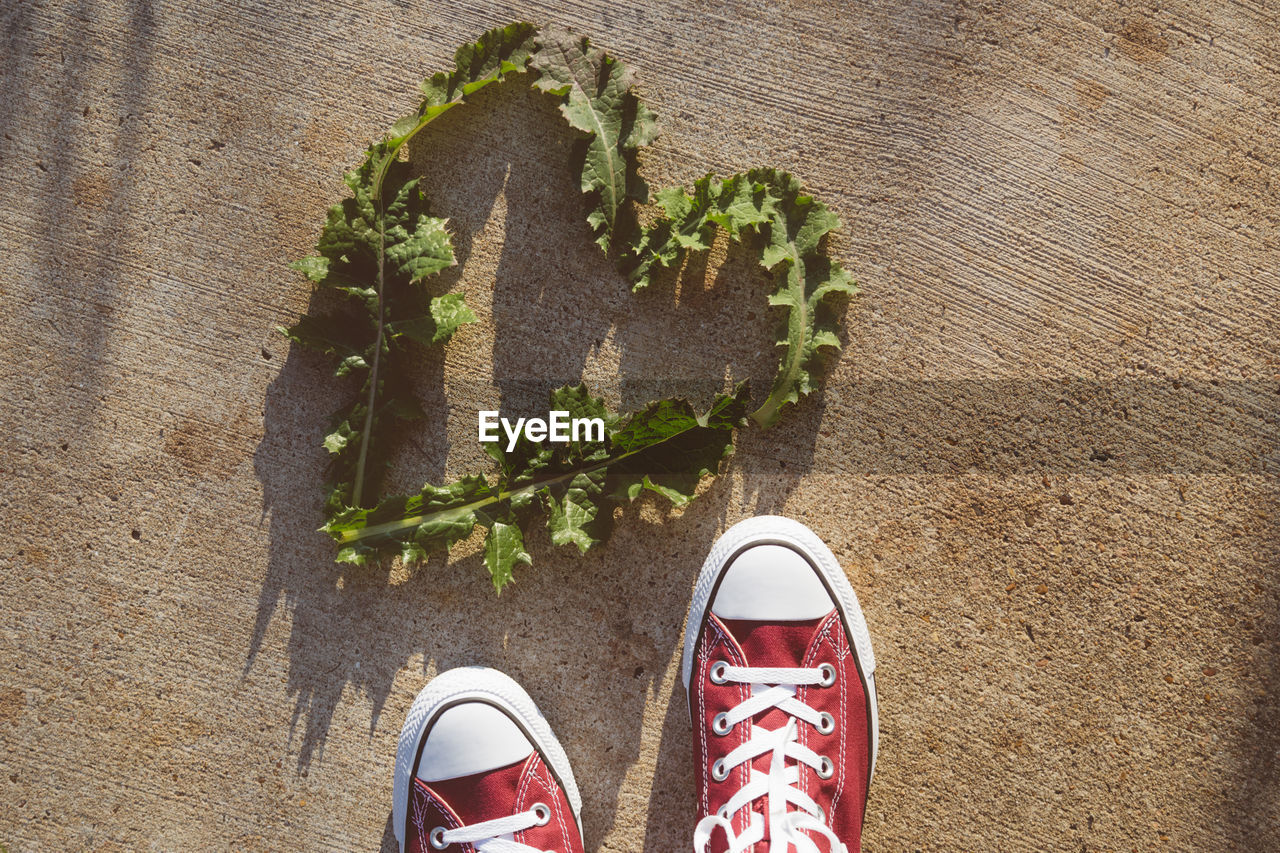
(810, 658)
(837, 646)
(522, 789)
(719, 638)
(450, 818)
(418, 818)
(826, 634)
(824, 630)
(702, 736)
(526, 776)
(733, 653)
(553, 794)
(533, 773)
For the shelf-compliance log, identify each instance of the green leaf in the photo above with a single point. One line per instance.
(380, 231)
(449, 312)
(377, 248)
(416, 245)
(575, 515)
(503, 548)
(666, 448)
(577, 401)
(445, 515)
(737, 204)
(381, 242)
(495, 54)
(444, 315)
(489, 59)
(791, 226)
(597, 100)
(806, 279)
(314, 268)
(687, 456)
(336, 441)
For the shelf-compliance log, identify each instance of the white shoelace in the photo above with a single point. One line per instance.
(772, 687)
(487, 835)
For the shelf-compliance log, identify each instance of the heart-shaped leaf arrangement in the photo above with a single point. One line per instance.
(380, 244)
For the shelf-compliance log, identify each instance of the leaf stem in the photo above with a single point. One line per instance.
(392, 151)
(530, 488)
(357, 490)
(767, 414)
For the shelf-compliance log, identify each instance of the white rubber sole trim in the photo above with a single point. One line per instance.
(776, 530)
(482, 684)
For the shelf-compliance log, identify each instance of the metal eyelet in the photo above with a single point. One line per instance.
(718, 771)
(437, 838)
(720, 724)
(716, 674)
(826, 724)
(828, 675)
(826, 768)
(542, 813)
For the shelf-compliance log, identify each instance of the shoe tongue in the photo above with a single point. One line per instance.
(482, 796)
(781, 644)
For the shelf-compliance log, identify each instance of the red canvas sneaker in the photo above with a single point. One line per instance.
(479, 771)
(778, 670)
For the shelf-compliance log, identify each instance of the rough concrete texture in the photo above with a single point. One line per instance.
(1047, 455)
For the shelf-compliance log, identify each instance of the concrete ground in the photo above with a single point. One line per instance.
(1047, 457)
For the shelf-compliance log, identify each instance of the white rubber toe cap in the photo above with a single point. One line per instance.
(771, 583)
(471, 737)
